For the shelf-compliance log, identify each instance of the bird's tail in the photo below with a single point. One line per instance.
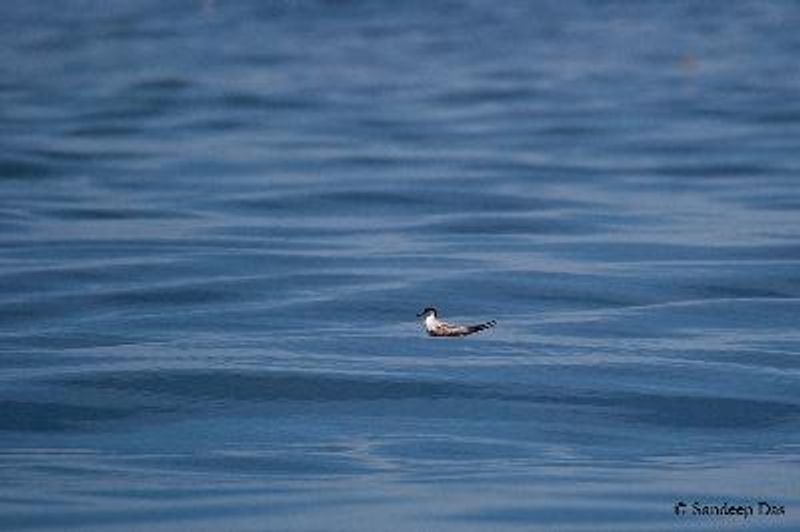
(481, 326)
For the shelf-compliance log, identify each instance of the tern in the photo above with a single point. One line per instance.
(436, 327)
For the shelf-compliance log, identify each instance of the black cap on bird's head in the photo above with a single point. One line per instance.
(428, 310)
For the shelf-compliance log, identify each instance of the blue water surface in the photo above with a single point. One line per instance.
(218, 220)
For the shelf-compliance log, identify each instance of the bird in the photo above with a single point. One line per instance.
(436, 327)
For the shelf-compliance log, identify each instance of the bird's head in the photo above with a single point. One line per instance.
(428, 311)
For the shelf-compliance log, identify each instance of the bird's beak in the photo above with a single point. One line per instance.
(420, 314)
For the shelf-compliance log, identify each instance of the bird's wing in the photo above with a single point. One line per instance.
(449, 329)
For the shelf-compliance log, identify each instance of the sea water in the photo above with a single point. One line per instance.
(219, 219)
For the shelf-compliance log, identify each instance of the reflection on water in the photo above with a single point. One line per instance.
(218, 222)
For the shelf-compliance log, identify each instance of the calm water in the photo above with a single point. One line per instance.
(218, 219)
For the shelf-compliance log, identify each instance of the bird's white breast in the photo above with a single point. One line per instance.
(431, 323)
